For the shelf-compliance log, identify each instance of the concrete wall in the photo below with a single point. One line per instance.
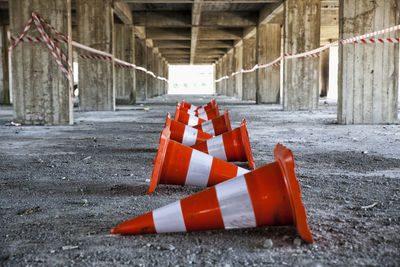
(41, 93)
(301, 75)
(368, 73)
(96, 77)
(125, 86)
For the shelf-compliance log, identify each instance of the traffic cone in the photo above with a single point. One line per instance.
(182, 165)
(205, 107)
(185, 134)
(267, 196)
(216, 126)
(229, 146)
(207, 115)
(186, 118)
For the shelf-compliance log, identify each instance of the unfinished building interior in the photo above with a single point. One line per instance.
(84, 97)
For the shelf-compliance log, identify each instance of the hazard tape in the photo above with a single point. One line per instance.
(58, 54)
(362, 39)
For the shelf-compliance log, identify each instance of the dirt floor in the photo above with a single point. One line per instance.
(63, 188)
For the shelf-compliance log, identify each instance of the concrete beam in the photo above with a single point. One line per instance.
(140, 32)
(174, 51)
(196, 14)
(168, 33)
(166, 19)
(229, 19)
(191, 1)
(215, 44)
(172, 43)
(272, 13)
(123, 12)
(220, 33)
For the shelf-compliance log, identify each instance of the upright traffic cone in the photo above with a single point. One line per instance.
(182, 165)
(186, 118)
(185, 134)
(216, 126)
(229, 146)
(207, 115)
(205, 107)
(267, 196)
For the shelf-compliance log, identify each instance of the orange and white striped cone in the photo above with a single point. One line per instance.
(216, 126)
(182, 165)
(207, 115)
(185, 134)
(229, 146)
(186, 118)
(204, 107)
(267, 196)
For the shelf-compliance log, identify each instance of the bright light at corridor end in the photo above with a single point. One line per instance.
(191, 79)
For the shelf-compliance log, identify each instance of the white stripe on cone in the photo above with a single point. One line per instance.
(193, 107)
(193, 120)
(189, 136)
(191, 112)
(241, 171)
(208, 127)
(169, 218)
(203, 116)
(199, 169)
(216, 148)
(201, 110)
(235, 204)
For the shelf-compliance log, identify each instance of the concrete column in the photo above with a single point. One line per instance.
(96, 77)
(324, 73)
(224, 83)
(368, 73)
(217, 75)
(302, 33)
(156, 84)
(149, 66)
(41, 92)
(140, 60)
(249, 60)
(238, 67)
(4, 73)
(125, 86)
(269, 48)
(166, 76)
(231, 68)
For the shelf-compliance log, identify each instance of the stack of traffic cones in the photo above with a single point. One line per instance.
(196, 148)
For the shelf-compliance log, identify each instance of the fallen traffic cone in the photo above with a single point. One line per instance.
(185, 134)
(207, 115)
(229, 146)
(267, 196)
(207, 106)
(186, 118)
(182, 165)
(216, 126)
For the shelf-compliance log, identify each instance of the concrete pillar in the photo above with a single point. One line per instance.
(96, 77)
(217, 75)
(149, 66)
(166, 76)
(368, 73)
(302, 33)
(238, 67)
(141, 77)
(4, 73)
(125, 86)
(41, 92)
(269, 48)
(249, 60)
(324, 73)
(156, 85)
(230, 89)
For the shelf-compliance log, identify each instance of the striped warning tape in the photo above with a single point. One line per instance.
(362, 39)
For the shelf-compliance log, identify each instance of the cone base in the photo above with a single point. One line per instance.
(286, 162)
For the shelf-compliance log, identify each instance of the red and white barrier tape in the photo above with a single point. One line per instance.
(58, 54)
(362, 39)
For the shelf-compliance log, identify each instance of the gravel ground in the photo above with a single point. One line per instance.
(63, 188)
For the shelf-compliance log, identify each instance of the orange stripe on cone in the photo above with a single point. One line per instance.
(207, 106)
(267, 196)
(207, 115)
(216, 126)
(230, 146)
(182, 165)
(185, 134)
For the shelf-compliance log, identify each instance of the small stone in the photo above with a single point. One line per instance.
(147, 180)
(52, 251)
(171, 247)
(297, 242)
(69, 247)
(87, 158)
(63, 178)
(364, 152)
(268, 243)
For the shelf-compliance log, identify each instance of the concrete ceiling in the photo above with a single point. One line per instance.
(202, 31)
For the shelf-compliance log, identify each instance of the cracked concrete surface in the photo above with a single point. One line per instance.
(63, 188)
